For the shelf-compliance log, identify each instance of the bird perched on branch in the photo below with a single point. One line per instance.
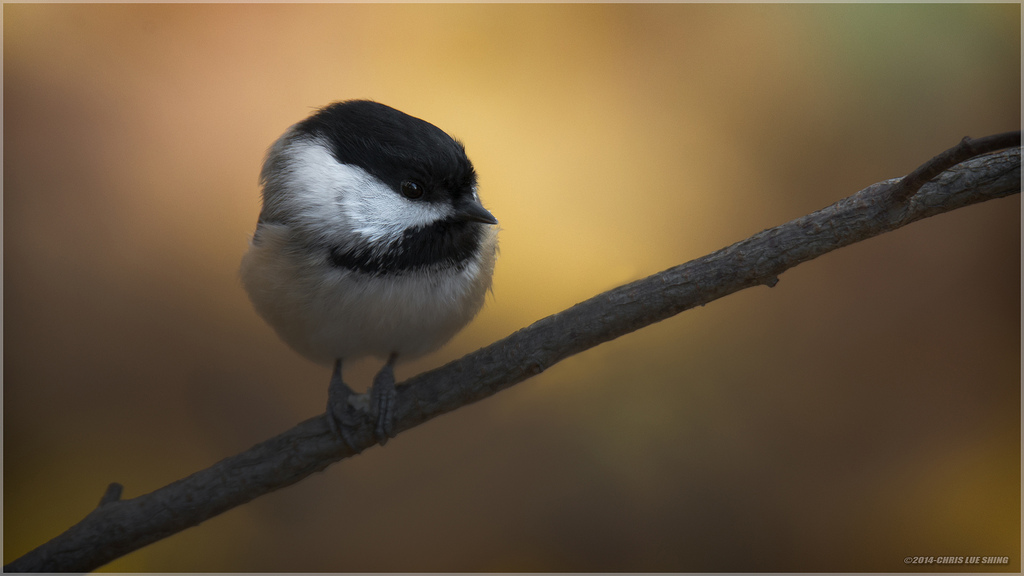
(371, 241)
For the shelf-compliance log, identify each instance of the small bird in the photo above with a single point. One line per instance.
(371, 241)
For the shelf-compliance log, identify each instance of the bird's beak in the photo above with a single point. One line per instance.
(475, 212)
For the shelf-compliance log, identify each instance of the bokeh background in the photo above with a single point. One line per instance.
(865, 409)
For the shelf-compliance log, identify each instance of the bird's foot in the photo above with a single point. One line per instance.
(342, 416)
(347, 410)
(383, 398)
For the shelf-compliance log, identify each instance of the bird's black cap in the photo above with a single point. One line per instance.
(394, 147)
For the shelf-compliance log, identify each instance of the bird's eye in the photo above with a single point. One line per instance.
(412, 190)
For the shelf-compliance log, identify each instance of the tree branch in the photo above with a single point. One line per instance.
(967, 148)
(117, 527)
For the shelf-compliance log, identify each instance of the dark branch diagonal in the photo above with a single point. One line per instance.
(967, 148)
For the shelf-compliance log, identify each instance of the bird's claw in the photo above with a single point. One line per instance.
(383, 398)
(342, 416)
(346, 410)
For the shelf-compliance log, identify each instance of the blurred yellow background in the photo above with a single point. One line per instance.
(865, 409)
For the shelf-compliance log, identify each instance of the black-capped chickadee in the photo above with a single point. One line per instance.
(371, 241)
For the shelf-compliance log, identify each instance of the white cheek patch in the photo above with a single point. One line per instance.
(380, 209)
(331, 197)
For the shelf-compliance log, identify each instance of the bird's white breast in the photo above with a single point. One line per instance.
(325, 312)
